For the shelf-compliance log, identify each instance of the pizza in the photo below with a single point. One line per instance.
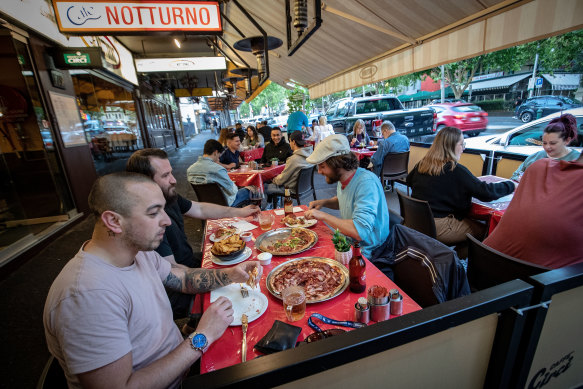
(293, 219)
(224, 232)
(319, 279)
(252, 277)
(298, 240)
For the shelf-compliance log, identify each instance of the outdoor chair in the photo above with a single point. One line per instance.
(304, 186)
(417, 214)
(395, 168)
(53, 376)
(209, 193)
(415, 273)
(488, 267)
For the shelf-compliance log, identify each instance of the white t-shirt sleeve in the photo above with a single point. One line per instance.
(162, 266)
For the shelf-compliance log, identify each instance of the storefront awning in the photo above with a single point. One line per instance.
(498, 83)
(563, 81)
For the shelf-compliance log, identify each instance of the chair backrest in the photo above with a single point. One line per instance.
(305, 184)
(209, 193)
(474, 162)
(416, 275)
(415, 155)
(506, 167)
(53, 376)
(395, 164)
(488, 267)
(417, 214)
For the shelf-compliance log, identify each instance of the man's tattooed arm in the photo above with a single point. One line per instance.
(192, 281)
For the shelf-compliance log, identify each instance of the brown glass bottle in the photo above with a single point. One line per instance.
(288, 204)
(357, 271)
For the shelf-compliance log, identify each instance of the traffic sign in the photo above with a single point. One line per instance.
(539, 82)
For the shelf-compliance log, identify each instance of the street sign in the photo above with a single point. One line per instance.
(539, 82)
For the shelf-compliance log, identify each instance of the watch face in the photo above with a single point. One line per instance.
(199, 340)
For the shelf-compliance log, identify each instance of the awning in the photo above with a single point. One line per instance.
(563, 81)
(425, 95)
(498, 83)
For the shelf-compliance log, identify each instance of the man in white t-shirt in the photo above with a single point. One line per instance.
(107, 318)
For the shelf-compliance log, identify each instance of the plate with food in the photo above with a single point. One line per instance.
(245, 254)
(223, 233)
(298, 221)
(253, 306)
(322, 278)
(229, 248)
(286, 241)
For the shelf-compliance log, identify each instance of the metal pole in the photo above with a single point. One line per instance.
(533, 76)
(442, 84)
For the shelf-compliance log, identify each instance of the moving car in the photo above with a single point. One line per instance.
(547, 104)
(469, 118)
(525, 139)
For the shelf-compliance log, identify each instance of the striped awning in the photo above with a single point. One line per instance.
(563, 81)
(499, 83)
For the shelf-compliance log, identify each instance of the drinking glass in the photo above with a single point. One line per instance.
(266, 220)
(256, 198)
(294, 302)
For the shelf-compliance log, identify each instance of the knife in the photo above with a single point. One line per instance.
(244, 323)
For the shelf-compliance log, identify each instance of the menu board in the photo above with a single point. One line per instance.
(68, 119)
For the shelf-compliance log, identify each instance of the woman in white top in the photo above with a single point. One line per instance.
(322, 131)
(253, 139)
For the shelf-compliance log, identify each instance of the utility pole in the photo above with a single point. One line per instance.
(530, 93)
(442, 84)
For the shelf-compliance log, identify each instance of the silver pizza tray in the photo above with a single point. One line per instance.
(329, 261)
(270, 237)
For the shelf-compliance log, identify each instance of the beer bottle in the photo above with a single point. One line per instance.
(357, 271)
(288, 205)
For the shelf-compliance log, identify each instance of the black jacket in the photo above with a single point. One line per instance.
(266, 132)
(282, 151)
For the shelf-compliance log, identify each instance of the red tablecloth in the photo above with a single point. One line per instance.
(361, 153)
(251, 155)
(254, 177)
(489, 211)
(227, 350)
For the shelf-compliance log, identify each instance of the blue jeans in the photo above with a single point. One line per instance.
(242, 197)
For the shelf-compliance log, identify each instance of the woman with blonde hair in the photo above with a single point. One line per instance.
(223, 136)
(358, 137)
(322, 130)
(448, 186)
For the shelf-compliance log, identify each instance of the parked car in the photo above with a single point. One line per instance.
(527, 138)
(547, 104)
(438, 101)
(469, 118)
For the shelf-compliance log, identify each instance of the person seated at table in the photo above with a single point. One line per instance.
(208, 170)
(309, 133)
(449, 186)
(253, 139)
(322, 130)
(174, 248)
(231, 157)
(364, 215)
(106, 318)
(264, 130)
(239, 131)
(223, 136)
(557, 135)
(391, 142)
(358, 137)
(277, 148)
(543, 223)
(288, 178)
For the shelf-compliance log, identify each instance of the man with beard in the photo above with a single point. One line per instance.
(364, 215)
(174, 248)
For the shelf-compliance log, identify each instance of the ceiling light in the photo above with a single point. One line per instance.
(177, 42)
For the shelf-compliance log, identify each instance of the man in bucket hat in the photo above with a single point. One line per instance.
(364, 215)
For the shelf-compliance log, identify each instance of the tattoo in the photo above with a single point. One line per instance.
(173, 282)
(203, 280)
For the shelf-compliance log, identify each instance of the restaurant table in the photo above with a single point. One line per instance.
(490, 211)
(252, 155)
(227, 350)
(362, 152)
(243, 177)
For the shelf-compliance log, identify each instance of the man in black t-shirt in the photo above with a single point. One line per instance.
(175, 248)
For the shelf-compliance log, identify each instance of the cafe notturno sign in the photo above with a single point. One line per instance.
(124, 17)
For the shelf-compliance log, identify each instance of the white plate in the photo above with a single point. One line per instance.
(244, 255)
(253, 306)
(213, 239)
(307, 224)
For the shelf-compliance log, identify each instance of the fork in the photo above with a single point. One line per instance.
(244, 291)
(244, 323)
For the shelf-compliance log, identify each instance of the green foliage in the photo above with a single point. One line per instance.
(299, 99)
(341, 242)
(493, 105)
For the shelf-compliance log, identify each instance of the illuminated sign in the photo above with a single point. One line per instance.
(149, 65)
(77, 57)
(105, 17)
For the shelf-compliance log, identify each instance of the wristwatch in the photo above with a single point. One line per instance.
(198, 341)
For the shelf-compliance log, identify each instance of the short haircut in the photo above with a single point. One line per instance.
(211, 146)
(232, 135)
(110, 193)
(565, 126)
(388, 125)
(275, 129)
(139, 161)
(264, 122)
(346, 161)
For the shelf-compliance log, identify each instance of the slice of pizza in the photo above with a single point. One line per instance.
(253, 273)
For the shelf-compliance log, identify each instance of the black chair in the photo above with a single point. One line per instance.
(209, 193)
(304, 186)
(395, 168)
(417, 214)
(53, 376)
(415, 273)
(488, 267)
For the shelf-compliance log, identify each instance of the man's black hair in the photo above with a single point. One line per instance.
(211, 146)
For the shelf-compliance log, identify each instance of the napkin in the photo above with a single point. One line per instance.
(244, 225)
(280, 212)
